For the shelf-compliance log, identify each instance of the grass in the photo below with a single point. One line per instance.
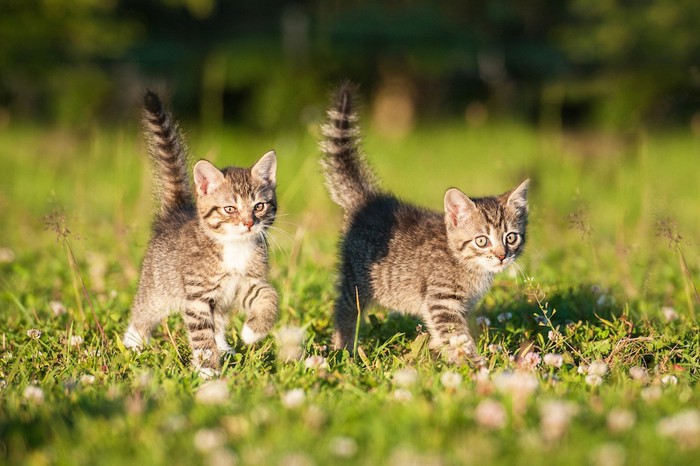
(612, 242)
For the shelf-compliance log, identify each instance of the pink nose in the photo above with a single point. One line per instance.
(501, 256)
(248, 223)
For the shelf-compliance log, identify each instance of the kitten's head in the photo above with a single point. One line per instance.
(236, 204)
(488, 232)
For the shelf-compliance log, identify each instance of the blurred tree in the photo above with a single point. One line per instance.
(637, 60)
(50, 54)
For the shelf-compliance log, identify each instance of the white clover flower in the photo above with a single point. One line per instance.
(583, 369)
(451, 380)
(504, 316)
(482, 376)
(87, 379)
(608, 454)
(555, 417)
(34, 333)
(57, 308)
(554, 336)
(293, 398)
(621, 420)
(651, 394)
(402, 395)
(553, 360)
(76, 341)
(343, 447)
(316, 362)
(639, 373)
(6, 255)
(669, 380)
(530, 360)
(483, 321)
(495, 348)
(516, 384)
(405, 377)
(222, 457)
(594, 380)
(33, 394)
(206, 440)
(598, 368)
(669, 313)
(213, 392)
(290, 340)
(490, 414)
(683, 427)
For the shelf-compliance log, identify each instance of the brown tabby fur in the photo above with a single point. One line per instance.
(207, 253)
(435, 265)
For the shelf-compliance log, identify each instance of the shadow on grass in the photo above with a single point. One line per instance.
(512, 319)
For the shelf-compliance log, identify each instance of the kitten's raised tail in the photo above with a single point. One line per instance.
(169, 155)
(348, 177)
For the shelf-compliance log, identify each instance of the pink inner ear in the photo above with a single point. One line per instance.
(203, 184)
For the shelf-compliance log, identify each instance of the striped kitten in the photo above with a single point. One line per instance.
(207, 253)
(435, 265)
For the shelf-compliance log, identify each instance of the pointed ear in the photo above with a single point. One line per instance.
(457, 206)
(265, 169)
(206, 177)
(517, 198)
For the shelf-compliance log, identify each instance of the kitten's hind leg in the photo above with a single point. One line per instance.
(259, 301)
(449, 331)
(199, 318)
(142, 323)
(346, 314)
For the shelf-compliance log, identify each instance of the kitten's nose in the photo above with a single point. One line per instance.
(248, 222)
(501, 256)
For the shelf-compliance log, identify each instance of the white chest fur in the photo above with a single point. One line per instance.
(237, 255)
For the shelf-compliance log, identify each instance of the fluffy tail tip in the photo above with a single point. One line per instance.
(344, 96)
(152, 103)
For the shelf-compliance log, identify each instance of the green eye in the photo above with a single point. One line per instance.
(481, 241)
(259, 207)
(511, 238)
(229, 209)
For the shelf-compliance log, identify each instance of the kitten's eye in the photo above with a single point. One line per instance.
(511, 238)
(259, 207)
(481, 241)
(229, 209)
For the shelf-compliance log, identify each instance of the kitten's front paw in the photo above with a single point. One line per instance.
(132, 339)
(249, 336)
(224, 348)
(461, 349)
(206, 363)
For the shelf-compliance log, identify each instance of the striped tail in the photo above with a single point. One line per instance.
(349, 179)
(169, 156)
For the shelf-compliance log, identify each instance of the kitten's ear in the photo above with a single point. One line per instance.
(457, 206)
(265, 169)
(517, 198)
(207, 177)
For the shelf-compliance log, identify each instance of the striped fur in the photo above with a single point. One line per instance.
(207, 253)
(169, 156)
(348, 177)
(436, 265)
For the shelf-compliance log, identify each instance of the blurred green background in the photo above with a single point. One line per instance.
(618, 65)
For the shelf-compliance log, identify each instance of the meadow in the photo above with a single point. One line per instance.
(593, 347)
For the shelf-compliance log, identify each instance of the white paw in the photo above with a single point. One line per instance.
(249, 336)
(132, 339)
(224, 347)
(206, 373)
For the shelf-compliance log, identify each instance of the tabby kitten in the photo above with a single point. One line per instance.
(207, 253)
(431, 264)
